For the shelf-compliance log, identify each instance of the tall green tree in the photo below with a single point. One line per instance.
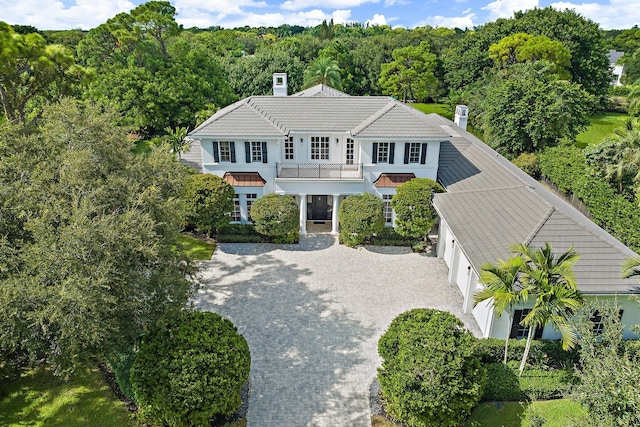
(88, 231)
(526, 108)
(502, 286)
(411, 73)
(30, 69)
(324, 70)
(551, 280)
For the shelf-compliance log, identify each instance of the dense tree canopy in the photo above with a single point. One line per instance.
(411, 73)
(32, 70)
(526, 108)
(87, 231)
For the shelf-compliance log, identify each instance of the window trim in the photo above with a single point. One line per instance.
(324, 147)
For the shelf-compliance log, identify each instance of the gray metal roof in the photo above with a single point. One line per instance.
(320, 90)
(370, 116)
(491, 204)
(614, 55)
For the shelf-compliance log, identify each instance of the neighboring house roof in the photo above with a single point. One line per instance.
(613, 56)
(491, 204)
(244, 179)
(318, 109)
(392, 180)
(320, 90)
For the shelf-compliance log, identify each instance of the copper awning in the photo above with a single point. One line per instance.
(393, 179)
(244, 179)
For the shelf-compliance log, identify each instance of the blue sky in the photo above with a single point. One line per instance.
(87, 14)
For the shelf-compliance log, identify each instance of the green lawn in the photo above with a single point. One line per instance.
(601, 126)
(196, 249)
(443, 109)
(39, 399)
(557, 413)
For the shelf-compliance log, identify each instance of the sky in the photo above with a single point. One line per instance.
(87, 14)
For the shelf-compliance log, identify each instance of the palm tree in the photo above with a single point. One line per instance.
(553, 282)
(634, 98)
(502, 286)
(631, 268)
(324, 70)
(177, 139)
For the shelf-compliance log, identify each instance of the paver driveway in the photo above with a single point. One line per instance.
(312, 314)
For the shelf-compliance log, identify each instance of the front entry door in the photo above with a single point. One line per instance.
(319, 208)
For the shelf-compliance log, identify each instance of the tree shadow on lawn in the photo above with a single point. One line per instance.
(307, 359)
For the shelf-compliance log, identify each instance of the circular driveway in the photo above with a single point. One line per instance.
(312, 314)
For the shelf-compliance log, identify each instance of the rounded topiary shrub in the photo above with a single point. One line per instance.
(415, 215)
(190, 370)
(208, 200)
(361, 216)
(276, 216)
(430, 374)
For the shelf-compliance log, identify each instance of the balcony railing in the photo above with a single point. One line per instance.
(318, 171)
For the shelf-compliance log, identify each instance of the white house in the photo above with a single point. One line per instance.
(321, 145)
(616, 69)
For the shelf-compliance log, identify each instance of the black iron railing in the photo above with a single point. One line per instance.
(319, 170)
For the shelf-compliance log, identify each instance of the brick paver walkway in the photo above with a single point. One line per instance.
(312, 314)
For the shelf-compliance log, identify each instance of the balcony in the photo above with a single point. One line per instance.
(319, 171)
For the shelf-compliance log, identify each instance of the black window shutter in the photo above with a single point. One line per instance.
(232, 148)
(216, 154)
(264, 152)
(517, 316)
(247, 151)
(392, 151)
(407, 147)
(423, 154)
(374, 156)
(538, 333)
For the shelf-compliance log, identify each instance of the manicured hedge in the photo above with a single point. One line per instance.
(361, 216)
(389, 237)
(246, 233)
(567, 168)
(121, 366)
(543, 353)
(190, 370)
(430, 373)
(277, 216)
(504, 384)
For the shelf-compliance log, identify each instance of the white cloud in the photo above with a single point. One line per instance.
(390, 3)
(54, 15)
(325, 4)
(225, 7)
(616, 14)
(505, 8)
(309, 18)
(377, 20)
(461, 22)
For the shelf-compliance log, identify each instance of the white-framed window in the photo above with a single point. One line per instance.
(236, 215)
(350, 153)
(288, 148)
(383, 152)
(319, 148)
(250, 199)
(225, 151)
(256, 151)
(598, 321)
(414, 152)
(388, 210)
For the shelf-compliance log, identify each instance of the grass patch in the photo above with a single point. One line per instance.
(38, 399)
(556, 413)
(443, 109)
(602, 125)
(195, 248)
(142, 146)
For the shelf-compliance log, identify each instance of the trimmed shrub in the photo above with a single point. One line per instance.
(430, 372)
(502, 384)
(528, 162)
(543, 353)
(276, 216)
(543, 384)
(121, 367)
(412, 205)
(190, 370)
(390, 237)
(208, 201)
(361, 216)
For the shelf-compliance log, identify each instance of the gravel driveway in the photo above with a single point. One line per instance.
(312, 314)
